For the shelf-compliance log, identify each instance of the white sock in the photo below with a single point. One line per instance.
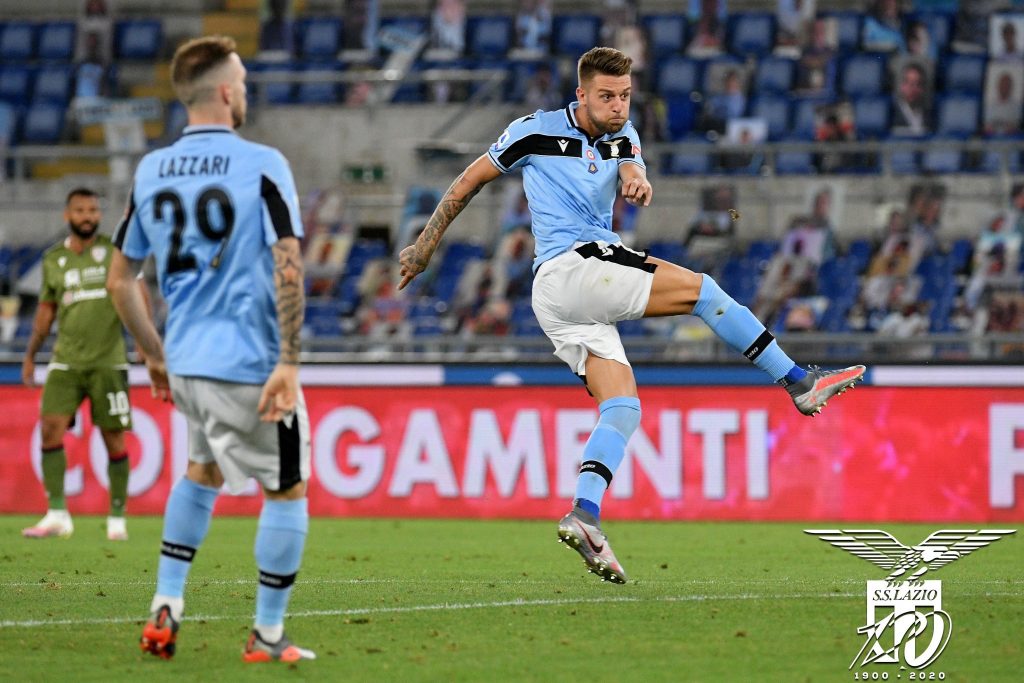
(177, 605)
(270, 634)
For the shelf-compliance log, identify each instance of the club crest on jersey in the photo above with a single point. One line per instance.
(98, 254)
(592, 167)
(614, 148)
(62, 260)
(590, 155)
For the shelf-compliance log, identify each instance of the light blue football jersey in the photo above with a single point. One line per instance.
(209, 207)
(570, 178)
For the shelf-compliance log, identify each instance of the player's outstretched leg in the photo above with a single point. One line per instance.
(57, 521)
(280, 539)
(186, 521)
(737, 326)
(581, 528)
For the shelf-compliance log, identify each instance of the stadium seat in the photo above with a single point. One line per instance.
(323, 92)
(274, 93)
(939, 26)
(804, 117)
(904, 162)
(793, 162)
(52, 84)
(957, 115)
(17, 41)
(43, 124)
(960, 255)
(941, 159)
(858, 254)
(752, 34)
(319, 39)
(521, 72)
(681, 115)
(138, 39)
(488, 37)
(8, 125)
(666, 34)
(871, 117)
(57, 41)
(15, 81)
(678, 76)
(775, 111)
(992, 162)
(689, 162)
(863, 75)
(574, 34)
(847, 30)
(963, 74)
(774, 75)
(401, 30)
(762, 250)
(673, 252)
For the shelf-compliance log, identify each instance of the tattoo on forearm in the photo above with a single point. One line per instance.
(291, 304)
(449, 207)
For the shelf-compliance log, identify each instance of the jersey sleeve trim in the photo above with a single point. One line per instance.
(121, 233)
(638, 162)
(280, 217)
(496, 163)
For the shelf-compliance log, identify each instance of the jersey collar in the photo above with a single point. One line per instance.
(193, 130)
(570, 115)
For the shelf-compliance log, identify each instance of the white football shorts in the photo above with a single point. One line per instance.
(224, 427)
(578, 297)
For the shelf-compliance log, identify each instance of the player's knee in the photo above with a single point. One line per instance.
(51, 432)
(205, 474)
(622, 414)
(296, 492)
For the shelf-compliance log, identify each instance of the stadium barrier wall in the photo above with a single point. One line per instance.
(880, 453)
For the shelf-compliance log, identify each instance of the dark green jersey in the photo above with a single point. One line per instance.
(88, 329)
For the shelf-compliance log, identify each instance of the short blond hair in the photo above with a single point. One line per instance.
(196, 58)
(603, 60)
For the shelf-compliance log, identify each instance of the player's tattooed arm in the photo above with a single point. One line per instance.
(289, 276)
(414, 259)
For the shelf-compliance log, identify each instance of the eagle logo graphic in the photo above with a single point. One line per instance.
(938, 550)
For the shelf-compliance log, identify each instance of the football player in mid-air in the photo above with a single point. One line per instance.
(585, 280)
(88, 361)
(221, 216)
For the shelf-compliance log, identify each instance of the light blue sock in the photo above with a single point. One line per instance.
(620, 416)
(186, 521)
(280, 538)
(737, 327)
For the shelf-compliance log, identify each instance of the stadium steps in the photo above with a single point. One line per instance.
(243, 26)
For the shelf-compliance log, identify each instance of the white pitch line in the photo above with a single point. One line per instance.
(446, 606)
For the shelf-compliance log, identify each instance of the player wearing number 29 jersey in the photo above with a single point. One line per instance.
(208, 207)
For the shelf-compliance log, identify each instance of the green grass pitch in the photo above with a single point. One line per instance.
(420, 600)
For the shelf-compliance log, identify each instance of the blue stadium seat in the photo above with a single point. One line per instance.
(319, 39)
(324, 92)
(752, 34)
(574, 34)
(17, 41)
(681, 114)
(274, 93)
(871, 117)
(8, 125)
(521, 72)
(631, 328)
(793, 162)
(690, 162)
(847, 29)
(762, 250)
(679, 76)
(138, 39)
(958, 115)
(666, 34)
(863, 75)
(774, 75)
(43, 124)
(992, 162)
(859, 254)
(53, 84)
(673, 252)
(939, 25)
(960, 255)
(775, 111)
(714, 70)
(904, 162)
(963, 74)
(804, 116)
(941, 160)
(488, 37)
(57, 41)
(15, 82)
